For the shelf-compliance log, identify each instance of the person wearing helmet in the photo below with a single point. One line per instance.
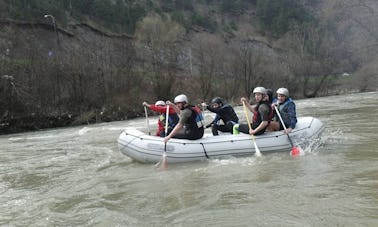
(224, 112)
(262, 113)
(161, 108)
(190, 125)
(287, 109)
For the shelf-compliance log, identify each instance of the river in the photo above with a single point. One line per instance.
(77, 177)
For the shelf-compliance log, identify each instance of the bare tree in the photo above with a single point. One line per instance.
(366, 78)
(314, 57)
(158, 41)
(250, 65)
(210, 58)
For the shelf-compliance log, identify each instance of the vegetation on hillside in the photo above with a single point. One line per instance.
(86, 70)
(274, 16)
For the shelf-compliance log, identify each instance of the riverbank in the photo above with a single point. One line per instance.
(38, 122)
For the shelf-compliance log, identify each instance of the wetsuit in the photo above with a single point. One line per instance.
(225, 113)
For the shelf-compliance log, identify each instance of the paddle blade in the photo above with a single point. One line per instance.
(257, 150)
(164, 162)
(295, 151)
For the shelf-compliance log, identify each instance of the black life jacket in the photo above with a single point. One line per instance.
(195, 120)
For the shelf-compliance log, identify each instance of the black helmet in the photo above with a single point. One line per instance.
(217, 100)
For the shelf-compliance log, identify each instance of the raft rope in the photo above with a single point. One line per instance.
(204, 151)
(132, 139)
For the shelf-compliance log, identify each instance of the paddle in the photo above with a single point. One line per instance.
(257, 150)
(294, 150)
(147, 122)
(164, 163)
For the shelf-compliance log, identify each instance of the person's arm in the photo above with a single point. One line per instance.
(292, 116)
(261, 126)
(209, 108)
(247, 104)
(158, 109)
(216, 119)
(214, 110)
(264, 113)
(174, 132)
(184, 115)
(174, 107)
(146, 104)
(172, 110)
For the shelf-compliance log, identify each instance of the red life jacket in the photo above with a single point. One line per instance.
(256, 121)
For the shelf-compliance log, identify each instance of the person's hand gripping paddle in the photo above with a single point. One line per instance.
(257, 150)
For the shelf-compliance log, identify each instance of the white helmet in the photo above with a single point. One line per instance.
(160, 103)
(181, 98)
(261, 90)
(283, 91)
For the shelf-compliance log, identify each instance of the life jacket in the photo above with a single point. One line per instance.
(256, 114)
(195, 121)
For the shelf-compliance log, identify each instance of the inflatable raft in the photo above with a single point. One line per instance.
(144, 148)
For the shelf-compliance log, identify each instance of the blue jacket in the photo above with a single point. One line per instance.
(288, 113)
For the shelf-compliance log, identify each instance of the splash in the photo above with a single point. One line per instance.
(83, 131)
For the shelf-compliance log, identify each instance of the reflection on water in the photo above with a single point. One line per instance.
(76, 176)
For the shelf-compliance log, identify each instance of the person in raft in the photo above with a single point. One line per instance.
(262, 113)
(287, 109)
(190, 125)
(223, 112)
(161, 108)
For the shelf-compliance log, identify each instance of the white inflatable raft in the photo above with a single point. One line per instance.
(149, 149)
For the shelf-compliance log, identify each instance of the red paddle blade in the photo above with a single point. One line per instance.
(295, 151)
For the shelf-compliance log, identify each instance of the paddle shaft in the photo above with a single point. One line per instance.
(147, 121)
(166, 121)
(166, 127)
(164, 163)
(283, 124)
(250, 128)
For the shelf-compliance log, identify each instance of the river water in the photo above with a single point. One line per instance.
(77, 177)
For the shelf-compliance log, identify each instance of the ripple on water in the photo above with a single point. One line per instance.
(77, 177)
